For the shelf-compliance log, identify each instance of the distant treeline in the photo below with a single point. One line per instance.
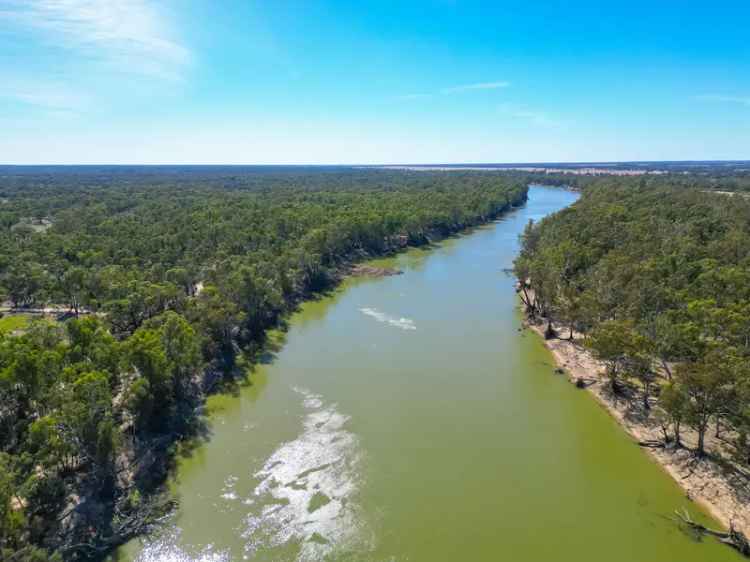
(709, 178)
(175, 275)
(657, 278)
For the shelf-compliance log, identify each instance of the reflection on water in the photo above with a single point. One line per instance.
(307, 489)
(165, 549)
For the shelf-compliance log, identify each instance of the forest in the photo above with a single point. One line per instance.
(163, 282)
(654, 278)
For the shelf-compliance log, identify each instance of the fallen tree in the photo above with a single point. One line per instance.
(733, 537)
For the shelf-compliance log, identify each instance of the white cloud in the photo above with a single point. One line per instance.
(726, 99)
(478, 86)
(130, 36)
(54, 99)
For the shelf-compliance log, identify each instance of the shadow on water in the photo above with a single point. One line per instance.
(202, 434)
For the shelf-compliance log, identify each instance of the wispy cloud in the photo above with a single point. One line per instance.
(536, 117)
(725, 99)
(478, 86)
(129, 36)
(52, 98)
(455, 90)
(408, 97)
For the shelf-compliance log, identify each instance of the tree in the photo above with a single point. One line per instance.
(74, 286)
(529, 240)
(707, 385)
(12, 520)
(219, 317)
(623, 350)
(673, 400)
(182, 350)
(48, 446)
(86, 419)
(165, 352)
(140, 402)
(181, 277)
(25, 281)
(92, 344)
(145, 352)
(676, 340)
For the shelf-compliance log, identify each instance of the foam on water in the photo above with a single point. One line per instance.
(402, 323)
(307, 488)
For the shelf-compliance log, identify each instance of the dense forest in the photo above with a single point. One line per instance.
(656, 276)
(164, 282)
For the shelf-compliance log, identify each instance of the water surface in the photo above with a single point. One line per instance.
(409, 419)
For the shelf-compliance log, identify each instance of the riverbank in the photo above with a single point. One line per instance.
(720, 488)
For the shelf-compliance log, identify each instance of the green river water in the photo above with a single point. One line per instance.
(409, 419)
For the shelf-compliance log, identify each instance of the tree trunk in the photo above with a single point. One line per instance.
(667, 370)
(526, 298)
(701, 440)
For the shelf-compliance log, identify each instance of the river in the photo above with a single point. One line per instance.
(409, 418)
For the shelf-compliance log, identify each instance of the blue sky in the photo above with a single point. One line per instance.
(188, 81)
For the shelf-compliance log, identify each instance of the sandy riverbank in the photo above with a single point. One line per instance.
(721, 490)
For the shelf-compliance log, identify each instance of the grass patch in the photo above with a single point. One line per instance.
(13, 322)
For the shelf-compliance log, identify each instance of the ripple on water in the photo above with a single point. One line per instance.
(307, 488)
(228, 490)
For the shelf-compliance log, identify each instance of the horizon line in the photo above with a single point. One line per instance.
(379, 165)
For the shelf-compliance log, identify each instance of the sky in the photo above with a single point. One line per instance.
(342, 82)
